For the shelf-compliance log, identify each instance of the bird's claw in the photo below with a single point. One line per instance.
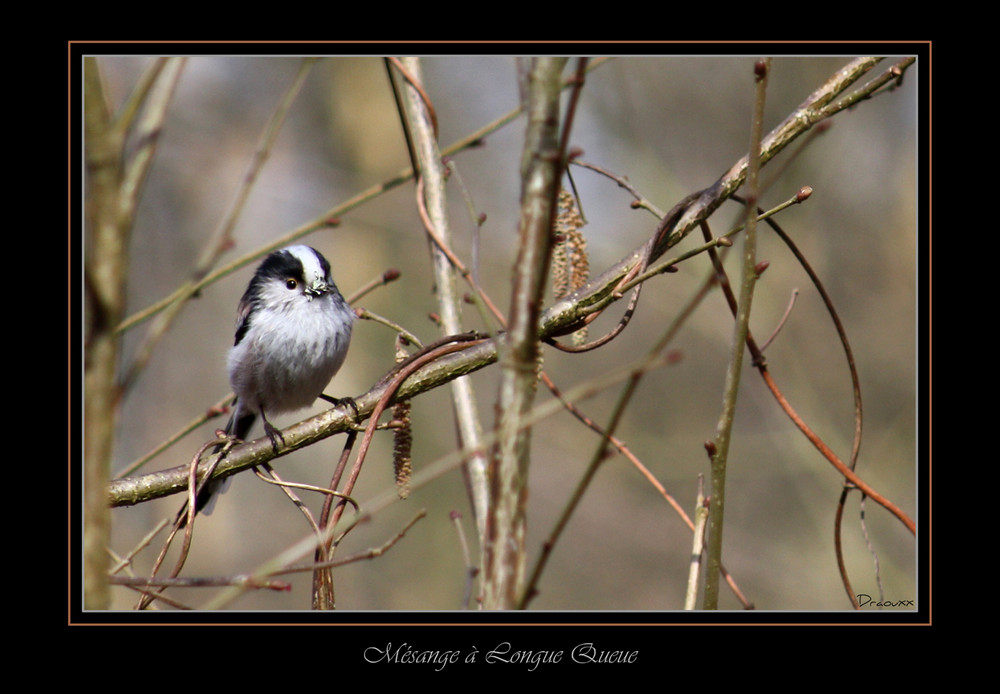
(274, 435)
(340, 402)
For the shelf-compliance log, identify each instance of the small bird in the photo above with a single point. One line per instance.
(293, 329)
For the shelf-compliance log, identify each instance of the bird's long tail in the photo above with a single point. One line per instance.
(238, 427)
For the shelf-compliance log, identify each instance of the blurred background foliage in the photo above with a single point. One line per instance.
(672, 125)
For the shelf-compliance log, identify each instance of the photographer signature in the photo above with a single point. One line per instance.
(865, 600)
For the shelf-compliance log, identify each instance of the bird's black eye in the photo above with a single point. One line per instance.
(291, 283)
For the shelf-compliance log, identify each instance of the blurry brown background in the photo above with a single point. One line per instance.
(671, 125)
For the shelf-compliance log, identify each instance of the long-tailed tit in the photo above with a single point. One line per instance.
(293, 328)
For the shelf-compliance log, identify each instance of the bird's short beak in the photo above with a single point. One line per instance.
(318, 288)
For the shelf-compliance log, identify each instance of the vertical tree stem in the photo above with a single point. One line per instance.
(432, 174)
(724, 430)
(541, 167)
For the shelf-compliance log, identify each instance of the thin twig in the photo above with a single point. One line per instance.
(781, 323)
(405, 369)
(697, 545)
(372, 553)
(196, 582)
(186, 515)
(471, 570)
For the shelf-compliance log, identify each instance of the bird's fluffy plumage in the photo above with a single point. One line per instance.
(290, 340)
(293, 329)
